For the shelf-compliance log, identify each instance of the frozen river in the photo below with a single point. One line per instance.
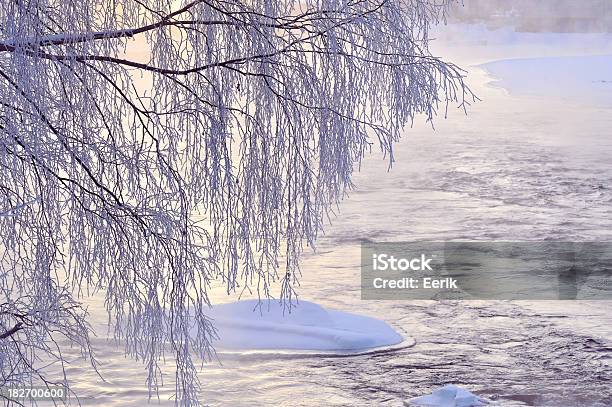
(525, 164)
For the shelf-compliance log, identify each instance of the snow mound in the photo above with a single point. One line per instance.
(245, 325)
(448, 396)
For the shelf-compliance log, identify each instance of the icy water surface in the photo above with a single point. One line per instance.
(516, 168)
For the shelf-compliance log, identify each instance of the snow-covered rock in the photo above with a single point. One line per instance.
(244, 325)
(448, 396)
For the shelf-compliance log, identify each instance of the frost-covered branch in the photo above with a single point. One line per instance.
(15, 210)
(176, 145)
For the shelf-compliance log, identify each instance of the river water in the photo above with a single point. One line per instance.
(517, 167)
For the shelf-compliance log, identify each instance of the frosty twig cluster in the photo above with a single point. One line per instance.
(150, 147)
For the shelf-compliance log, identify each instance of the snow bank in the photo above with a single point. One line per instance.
(243, 325)
(586, 79)
(448, 396)
(472, 44)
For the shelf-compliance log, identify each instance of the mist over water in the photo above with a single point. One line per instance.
(562, 16)
(518, 167)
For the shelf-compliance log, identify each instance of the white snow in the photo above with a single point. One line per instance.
(448, 396)
(243, 325)
(584, 79)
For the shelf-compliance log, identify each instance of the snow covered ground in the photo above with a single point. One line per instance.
(585, 79)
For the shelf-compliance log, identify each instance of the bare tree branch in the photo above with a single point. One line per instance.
(18, 326)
